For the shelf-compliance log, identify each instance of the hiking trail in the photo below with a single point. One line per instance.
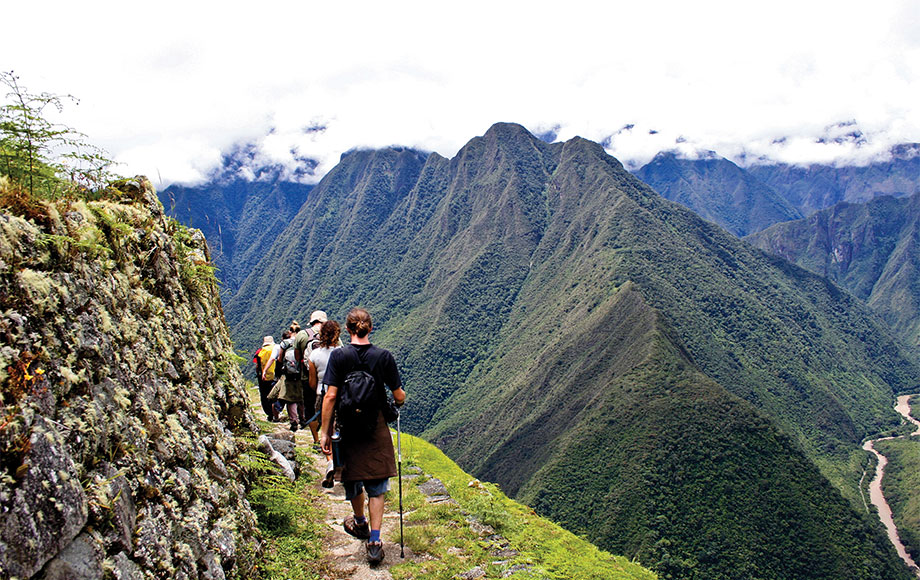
(345, 555)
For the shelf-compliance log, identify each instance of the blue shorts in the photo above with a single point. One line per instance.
(374, 487)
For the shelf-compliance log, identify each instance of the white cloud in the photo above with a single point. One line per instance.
(165, 87)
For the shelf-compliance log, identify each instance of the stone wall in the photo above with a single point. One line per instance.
(120, 399)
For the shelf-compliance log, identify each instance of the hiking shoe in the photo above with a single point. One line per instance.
(360, 531)
(374, 553)
(293, 426)
(329, 480)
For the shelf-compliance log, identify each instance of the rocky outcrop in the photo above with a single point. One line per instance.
(120, 398)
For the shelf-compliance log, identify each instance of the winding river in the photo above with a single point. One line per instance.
(875, 487)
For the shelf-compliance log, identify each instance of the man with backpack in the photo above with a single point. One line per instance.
(356, 378)
(305, 340)
(304, 343)
(290, 384)
(265, 373)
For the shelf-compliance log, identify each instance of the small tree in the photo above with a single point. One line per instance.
(44, 158)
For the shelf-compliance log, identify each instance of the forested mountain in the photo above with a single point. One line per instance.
(718, 190)
(872, 249)
(241, 209)
(628, 368)
(813, 187)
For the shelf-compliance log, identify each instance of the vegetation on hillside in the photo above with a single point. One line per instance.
(870, 249)
(240, 218)
(542, 548)
(814, 187)
(900, 485)
(290, 517)
(717, 190)
(901, 482)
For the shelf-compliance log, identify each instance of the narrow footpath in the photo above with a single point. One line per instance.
(345, 555)
(875, 487)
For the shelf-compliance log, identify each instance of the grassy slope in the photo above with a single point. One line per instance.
(548, 550)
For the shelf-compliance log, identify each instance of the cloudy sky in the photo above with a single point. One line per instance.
(166, 86)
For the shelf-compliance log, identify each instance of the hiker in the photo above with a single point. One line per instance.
(368, 460)
(305, 339)
(319, 357)
(266, 376)
(304, 342)
(290, 385)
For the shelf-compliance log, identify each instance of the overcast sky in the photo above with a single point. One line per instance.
(166, 86)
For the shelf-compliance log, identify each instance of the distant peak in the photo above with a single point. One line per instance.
(507, 131)
(248, 161)
(906, 151)
(687, 154)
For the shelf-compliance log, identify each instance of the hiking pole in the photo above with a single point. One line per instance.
(402, 553)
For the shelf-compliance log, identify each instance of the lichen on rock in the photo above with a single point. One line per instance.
(120, 398)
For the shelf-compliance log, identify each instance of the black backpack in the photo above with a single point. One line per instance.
(359, 397)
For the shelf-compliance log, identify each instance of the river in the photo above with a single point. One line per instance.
(875, 487)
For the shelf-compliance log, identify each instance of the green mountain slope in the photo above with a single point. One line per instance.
(718, 190)
(522, 285)
(872, 249)
(702, 480)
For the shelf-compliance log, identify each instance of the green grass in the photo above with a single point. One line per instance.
(442, 531)
(291, 523)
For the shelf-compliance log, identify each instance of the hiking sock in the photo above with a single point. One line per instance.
(361, 520)
(375, 536)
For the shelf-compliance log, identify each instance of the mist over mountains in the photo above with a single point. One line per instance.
(240, 209)
(625, 367)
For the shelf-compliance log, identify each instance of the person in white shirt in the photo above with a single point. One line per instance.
(328, 340)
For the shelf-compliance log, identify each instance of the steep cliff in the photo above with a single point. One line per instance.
(120, 398)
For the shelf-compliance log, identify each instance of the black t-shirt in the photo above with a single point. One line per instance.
(379, 361)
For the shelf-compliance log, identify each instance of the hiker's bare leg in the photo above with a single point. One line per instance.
(357, 505)
(314, 429)
(375, 506)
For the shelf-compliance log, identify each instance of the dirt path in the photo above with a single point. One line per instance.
(346, 556)
(875, 486)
